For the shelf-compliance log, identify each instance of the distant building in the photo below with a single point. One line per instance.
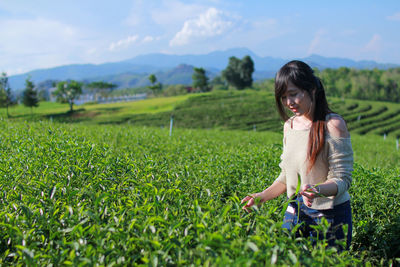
(90, 97)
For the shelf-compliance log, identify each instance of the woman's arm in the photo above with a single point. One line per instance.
(276, 189)
(273, 191)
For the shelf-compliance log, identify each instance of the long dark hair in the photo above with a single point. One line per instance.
(301, 75)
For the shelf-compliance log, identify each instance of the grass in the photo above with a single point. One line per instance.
(375, 152)
(94, 113)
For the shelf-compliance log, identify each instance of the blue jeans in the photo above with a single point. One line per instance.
(338, 216)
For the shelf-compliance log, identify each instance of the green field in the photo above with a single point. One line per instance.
(93, 113)
(122, 195)
(231, 110)
(113, 188)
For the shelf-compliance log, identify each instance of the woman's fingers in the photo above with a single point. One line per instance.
(308, 194)
(247, 198)
(306, 191)
(308, 201)
(250, 202)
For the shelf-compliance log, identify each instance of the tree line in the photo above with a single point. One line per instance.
(65, 92)
(238, 75)
(375, 84)
(365, 84)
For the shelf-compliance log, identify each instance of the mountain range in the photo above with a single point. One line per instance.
(174, 69)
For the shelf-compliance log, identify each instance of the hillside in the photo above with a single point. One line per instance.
(180, 74)
(141, 65)
(251, 110)
(239, 110)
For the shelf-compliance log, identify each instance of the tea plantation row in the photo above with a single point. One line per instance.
(251, 110)
(239, 110)
(102, 195)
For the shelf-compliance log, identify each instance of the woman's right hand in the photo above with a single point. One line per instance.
(250, 202)
(276, 189)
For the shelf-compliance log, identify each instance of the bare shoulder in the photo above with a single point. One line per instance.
(336, 126)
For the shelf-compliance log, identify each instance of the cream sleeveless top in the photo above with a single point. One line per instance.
(334, 162)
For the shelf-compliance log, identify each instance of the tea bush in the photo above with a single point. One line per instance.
(122, 195)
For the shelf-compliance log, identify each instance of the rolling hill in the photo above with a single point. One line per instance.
(229, 110)
(133, 72)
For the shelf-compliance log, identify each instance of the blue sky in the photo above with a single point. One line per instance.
(43, 33)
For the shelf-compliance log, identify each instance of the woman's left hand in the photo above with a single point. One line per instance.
(308, 196)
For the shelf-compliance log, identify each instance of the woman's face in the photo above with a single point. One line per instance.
(297, 100)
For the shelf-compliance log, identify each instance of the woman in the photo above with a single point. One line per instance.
(316, 148)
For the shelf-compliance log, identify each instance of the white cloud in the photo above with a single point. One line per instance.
(148, 39)
(124, 43)
(91, 50)
(29, 35)
(160, 15)
(37, 43)
(136, 18)
(174, 12)
(373, 45)
(211, 23)
(316, 42)
(395, 17)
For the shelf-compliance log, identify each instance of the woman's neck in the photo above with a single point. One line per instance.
(301, 123)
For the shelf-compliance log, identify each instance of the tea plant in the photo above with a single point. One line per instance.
(122, 195)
